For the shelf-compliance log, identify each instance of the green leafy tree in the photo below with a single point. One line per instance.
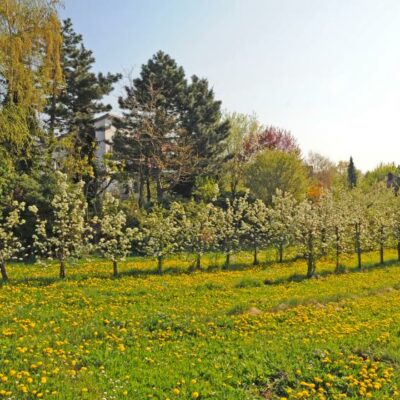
(206, 189)
(378, 175)
(272, 170)
(242, 129)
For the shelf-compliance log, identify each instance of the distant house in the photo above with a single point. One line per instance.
(105, 130)
(104, 134)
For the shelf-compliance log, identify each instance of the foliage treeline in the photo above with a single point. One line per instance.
(336, 224)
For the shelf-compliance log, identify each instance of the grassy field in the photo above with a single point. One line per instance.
(249, 333)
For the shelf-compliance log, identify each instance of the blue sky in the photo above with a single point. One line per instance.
(329, 71)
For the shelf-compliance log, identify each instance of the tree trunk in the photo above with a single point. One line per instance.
(141, 190)
(280, 253)
(381, 249)
(310, 266)
(148, 191)
(255, 256)
(198, 261)
(159, 188)
(3, 271)
(323, 241)
(115, 269)
(358, 246)
(398, 250)
(337, 249)
(159, 264)
(62, 269)
(227, 261)
(310, 258)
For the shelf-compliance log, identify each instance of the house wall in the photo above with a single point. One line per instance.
(104, 132)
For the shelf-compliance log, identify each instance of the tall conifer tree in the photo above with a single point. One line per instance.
(172, 131)
(72, 111)
(351, 174)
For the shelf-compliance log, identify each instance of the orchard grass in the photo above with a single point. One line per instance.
(250, 332)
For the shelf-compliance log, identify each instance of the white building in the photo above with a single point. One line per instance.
(104, 134)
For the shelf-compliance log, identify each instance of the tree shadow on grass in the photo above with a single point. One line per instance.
(43, 281)
(297, 278)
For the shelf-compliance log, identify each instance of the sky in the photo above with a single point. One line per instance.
(328, 71)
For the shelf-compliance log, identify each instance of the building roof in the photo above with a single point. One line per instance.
(107, 116)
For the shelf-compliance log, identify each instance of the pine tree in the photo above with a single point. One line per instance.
(72, 111)
(152, 141)
(351, 174)
(202, 118)
(172, 130)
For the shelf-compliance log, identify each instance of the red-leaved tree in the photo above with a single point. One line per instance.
(271, 138)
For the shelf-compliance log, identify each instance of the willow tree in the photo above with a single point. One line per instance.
(30, 69)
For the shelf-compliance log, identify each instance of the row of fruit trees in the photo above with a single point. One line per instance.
(348, 221)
